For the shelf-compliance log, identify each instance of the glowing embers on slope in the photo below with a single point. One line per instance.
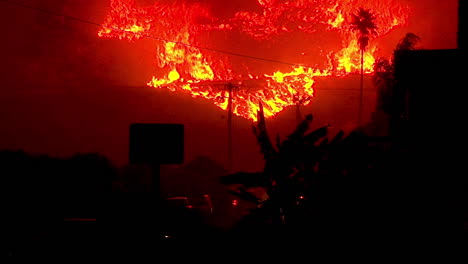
(275, 91)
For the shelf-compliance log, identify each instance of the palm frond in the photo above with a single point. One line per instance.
(302, 128)
(339, 136)
(316, 135)
(262, 136)
(363, 21)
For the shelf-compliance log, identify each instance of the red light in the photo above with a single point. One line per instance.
(234, 202)
(301, 197)
(189, 206)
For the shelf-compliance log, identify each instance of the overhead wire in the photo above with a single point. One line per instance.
(145, 35)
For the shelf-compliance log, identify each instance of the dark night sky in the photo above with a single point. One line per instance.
(64, 90)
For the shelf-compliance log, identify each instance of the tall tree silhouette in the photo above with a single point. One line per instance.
(384, 79)
(409, 42)
(363, 22)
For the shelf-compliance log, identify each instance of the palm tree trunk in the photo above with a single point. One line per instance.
(361, 89)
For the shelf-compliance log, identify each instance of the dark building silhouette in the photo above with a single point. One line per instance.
(429, 87)
(463, 24)
(428, 84)
(428, 121)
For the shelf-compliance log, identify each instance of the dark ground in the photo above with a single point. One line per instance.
(127, 229)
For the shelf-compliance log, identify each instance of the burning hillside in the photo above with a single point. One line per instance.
(184, 34)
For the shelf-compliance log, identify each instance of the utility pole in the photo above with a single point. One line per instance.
(229, 87)
(299, 102)
(298, 114)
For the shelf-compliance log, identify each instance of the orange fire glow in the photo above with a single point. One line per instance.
(189, 69)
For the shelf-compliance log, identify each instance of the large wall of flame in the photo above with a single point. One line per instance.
(315, 33)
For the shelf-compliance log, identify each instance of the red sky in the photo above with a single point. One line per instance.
(64, 90)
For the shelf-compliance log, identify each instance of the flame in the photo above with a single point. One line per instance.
(130, 19)
(187, 69)
(338, 21)
(349, 58)
(275, 92)
(172, 76)
(188, 57)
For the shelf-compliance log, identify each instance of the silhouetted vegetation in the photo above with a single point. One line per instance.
(409, 42)
(314, 182)
(384, 78)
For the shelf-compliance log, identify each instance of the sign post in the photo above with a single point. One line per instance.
(154, 145)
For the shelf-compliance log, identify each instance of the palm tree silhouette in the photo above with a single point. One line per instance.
(363, 22)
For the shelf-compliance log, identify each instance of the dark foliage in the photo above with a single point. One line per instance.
(409, 42)
(304, 173)
(384, 78)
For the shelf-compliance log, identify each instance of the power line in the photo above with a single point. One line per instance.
(158, 38)
(151, 36)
